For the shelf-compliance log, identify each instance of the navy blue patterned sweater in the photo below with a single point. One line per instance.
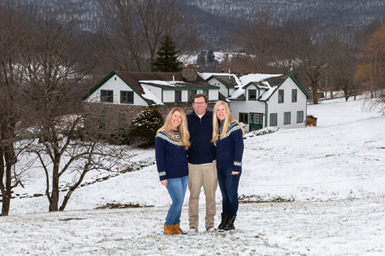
(201, 151)
(170, 155)
(230, 148)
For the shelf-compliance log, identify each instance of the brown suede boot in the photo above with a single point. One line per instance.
(169, 229)
(177, 229)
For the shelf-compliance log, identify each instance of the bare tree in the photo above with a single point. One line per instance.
(344, 67)
(13, 30)
(261, 35)
(54, 73)
(134, 29)
(292, 37)
(316, 59)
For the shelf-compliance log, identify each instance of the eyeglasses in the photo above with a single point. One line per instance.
(199, 103)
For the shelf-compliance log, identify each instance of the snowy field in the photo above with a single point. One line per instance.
(330, 179)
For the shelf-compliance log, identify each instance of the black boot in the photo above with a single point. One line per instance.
(224, 221)
(230, 224)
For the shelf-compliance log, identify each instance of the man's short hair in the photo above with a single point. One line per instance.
(199, 96)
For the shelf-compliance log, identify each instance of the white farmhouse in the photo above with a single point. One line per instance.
(226, 82)
(117, 99)
(263, 100)
(148, 89)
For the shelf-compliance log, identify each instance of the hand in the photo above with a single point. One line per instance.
(234, 173)
(164, 182)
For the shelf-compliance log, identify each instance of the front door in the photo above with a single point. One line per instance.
(256, 121)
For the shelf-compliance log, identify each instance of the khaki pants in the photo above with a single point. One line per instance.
(202, 175)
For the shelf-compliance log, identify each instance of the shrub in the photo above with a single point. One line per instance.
(143, 127)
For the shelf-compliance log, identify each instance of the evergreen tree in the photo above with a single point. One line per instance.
(201, 60)
(143, 127)
(211, 56)
(167, 57)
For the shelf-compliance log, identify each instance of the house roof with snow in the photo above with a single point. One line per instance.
(270, 84)
(229, 80)
(164, 80)
(265, 82)
(258, 78)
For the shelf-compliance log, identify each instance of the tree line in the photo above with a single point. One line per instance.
(48, 63)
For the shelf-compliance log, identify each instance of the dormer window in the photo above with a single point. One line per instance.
(252, 94)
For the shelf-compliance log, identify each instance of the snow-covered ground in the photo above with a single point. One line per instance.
(330, 178)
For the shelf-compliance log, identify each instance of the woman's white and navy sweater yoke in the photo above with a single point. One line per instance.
(171, 156)
(230, 148)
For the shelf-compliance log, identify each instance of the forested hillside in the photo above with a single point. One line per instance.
(330, 13)
(217, 20)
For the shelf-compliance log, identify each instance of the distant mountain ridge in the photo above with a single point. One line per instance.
(217, 18)
(345, 13)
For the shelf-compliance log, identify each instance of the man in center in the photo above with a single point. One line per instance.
(201, 164)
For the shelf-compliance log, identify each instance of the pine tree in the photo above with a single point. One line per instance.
(143, 127)
(211, 56)
(167, 57)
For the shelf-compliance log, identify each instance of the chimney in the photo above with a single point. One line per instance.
(189, 74)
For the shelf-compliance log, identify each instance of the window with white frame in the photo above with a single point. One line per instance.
(273, 119)
(294, 95)
(280, 96)
(191, 93)
(299, 116)
(287, 118)
(178, 96)
(244, 118)
(252, 94)
(126, 97)
(107, 96)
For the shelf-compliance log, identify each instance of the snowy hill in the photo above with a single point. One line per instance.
(331, 176)
(334, 173)
(340, 158)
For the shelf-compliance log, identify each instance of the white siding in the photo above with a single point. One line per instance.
(116, 85)
(288, 106)
(168, 96)
(274, 107)
(184, 96)
(222, 88)
(154, 90)
(213, 95)
(247, 107)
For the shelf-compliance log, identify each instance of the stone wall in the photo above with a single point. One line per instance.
(113, 119)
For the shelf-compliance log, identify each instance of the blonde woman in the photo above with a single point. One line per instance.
(171, 144)
(228, 139)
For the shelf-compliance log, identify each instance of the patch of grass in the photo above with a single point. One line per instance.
(247, 199)
(69, 219)
(122, 206)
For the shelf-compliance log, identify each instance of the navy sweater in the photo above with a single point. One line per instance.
(201, 151)
(171, 156)
(230, 148)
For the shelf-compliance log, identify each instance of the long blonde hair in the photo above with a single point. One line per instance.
(228, 119)
(182, 128)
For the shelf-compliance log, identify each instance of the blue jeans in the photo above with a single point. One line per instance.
(229, 187)
(176, 187)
